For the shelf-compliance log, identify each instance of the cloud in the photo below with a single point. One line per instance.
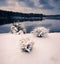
(42, 4)
(31, 6)
(3, 2)
(45, 4)
(50, 4)
(37, 4)
(31, 3)
(55, 3)
(28, 3)
(6, 3)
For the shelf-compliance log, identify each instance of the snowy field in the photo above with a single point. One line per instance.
(45, 50)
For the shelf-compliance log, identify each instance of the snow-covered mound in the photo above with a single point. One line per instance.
(45, 50)
(26, 45)
(40, 32)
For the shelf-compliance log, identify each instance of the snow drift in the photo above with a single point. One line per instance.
(45, 50)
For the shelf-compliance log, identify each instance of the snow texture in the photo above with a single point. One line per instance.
(45, 50)
(40, 32)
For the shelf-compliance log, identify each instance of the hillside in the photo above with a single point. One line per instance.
(7, 17)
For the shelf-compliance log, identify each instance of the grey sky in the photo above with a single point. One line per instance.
(34, 6)
(44, 4)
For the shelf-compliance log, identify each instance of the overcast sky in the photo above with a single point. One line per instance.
(36, 6)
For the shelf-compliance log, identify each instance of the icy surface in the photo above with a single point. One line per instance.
(45, 50)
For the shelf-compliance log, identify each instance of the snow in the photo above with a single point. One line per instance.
(45, 50)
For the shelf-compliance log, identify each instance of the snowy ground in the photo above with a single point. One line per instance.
(45, 51)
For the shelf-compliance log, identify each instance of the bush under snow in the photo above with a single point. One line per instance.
(26, 45)
(17, 28)
(40, 32)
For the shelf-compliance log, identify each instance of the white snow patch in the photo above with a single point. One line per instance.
(45, 50)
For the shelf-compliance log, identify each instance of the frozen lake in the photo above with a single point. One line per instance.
(53, 25)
